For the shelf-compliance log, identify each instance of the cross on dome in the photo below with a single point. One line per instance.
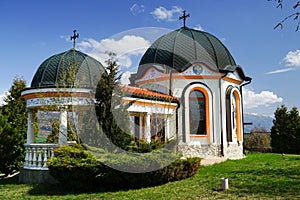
(184, 16)
(74, 37)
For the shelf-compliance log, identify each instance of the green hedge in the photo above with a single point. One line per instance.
(79, 169)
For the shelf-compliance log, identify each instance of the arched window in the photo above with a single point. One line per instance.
(234, 119)
(233, 114)
(197, 112)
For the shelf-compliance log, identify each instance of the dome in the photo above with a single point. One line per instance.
(180, 48)
(71, 68)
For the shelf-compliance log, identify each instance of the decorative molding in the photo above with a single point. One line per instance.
(149, 106)
(59, 101)
(199, 69)
(231, 80)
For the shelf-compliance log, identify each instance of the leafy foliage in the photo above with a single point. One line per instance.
(74, 166)
(71, 133)
(285, 133)
(294, 15)
(142, 146)
(258, 140)
(88, 172)
(13, 124)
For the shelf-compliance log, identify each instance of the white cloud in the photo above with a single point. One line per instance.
(66, 38)
(198, 27)
(137, 9)
(281, 70)
(264, 98)
(292, 58)
(1, 99)
(125, 78)
(163, 14)
(128, 45)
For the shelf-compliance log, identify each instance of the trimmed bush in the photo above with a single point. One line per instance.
(74, 166)
(79, 169)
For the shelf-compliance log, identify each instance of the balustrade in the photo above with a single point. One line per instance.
(37, 155)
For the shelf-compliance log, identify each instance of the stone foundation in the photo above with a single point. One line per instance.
(202, 150)
(234, 150)
(32, 176)
(231, 151)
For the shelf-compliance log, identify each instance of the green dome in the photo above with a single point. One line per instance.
(180, 48)
(71, 68)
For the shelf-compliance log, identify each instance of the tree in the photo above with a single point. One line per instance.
(109, 101)
(258, 140)
(13, 127)
(294, 15)
(285, 133)
(54, 135)
(294, 131)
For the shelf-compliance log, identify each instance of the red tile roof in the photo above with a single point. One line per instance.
(142, 92)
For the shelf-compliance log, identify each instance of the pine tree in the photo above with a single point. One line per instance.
(13, 128)
(278, 131)
(285, 133)
(109, 101)
(294, 131)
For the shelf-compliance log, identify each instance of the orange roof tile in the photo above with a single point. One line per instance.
(142, 92)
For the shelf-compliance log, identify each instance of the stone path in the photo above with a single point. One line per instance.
(2, 176)
(212, 160)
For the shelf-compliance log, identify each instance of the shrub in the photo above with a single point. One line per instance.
(258, 142)
(74, 166)
(142, 146)
(78, 168)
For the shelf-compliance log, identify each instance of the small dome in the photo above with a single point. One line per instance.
(71, 68)
(180, 48)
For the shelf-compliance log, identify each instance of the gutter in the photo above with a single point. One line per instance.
(176, 131)
(248, 79)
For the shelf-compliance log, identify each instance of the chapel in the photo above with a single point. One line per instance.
(187, 88)
(199, 71)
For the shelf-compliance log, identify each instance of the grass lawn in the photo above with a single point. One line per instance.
(258, 176)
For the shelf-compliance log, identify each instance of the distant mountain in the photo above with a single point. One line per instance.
(258, 121)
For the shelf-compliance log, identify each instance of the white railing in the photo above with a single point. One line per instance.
(37, 155)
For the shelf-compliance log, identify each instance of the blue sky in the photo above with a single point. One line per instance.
(32, 31)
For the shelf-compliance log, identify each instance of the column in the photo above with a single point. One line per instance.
(167, 128)
(63, 125)
(141, 124)
(147, 128)
(30, 126)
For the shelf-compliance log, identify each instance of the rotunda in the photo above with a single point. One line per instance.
(62, 82)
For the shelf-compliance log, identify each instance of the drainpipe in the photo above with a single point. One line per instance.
(176, 131)
(248, 79)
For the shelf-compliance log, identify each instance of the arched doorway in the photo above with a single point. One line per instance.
(197, 113)
(233, 115)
